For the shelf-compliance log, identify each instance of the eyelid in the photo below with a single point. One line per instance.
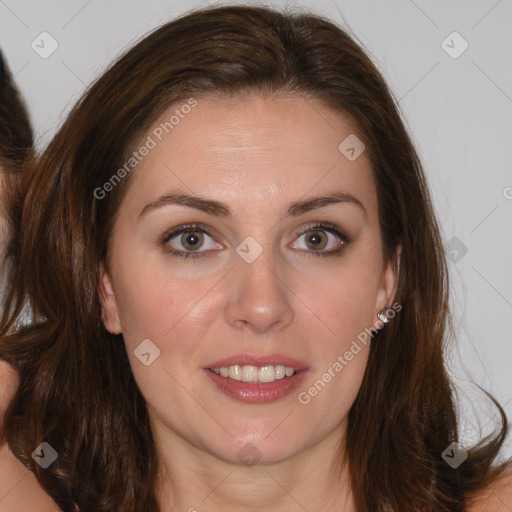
(328, 227)
(195, 226)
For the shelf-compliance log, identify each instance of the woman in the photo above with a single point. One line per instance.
(292, 363)
(19, 489)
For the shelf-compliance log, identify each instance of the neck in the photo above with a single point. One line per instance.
(194, 480)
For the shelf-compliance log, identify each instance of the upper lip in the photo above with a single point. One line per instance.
(254, 360)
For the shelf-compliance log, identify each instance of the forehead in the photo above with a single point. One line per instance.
(254, 151)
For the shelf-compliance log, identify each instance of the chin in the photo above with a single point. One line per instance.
(256, 448)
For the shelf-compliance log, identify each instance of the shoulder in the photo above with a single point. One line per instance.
(19, 489)
(8, 385)
(496, 497)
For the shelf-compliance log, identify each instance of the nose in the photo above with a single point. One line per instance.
(259, 297)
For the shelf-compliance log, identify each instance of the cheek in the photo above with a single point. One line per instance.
(345, 307)
(154, 304)
(156, 309)
(344, 300)
(343, 303)
(150, 306)
(345, 311)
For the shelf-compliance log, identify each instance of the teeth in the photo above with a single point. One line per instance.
(235, 372)
(249, 373)
(280, 371)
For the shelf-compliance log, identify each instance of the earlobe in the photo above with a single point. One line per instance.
(387, 293)
(109, 310)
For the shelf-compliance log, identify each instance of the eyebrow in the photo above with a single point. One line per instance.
(220, 209)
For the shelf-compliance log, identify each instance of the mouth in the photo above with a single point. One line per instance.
(255, 374)
(254, 379)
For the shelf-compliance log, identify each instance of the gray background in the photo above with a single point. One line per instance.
(458, 111)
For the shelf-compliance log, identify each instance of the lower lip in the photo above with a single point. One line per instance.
(257, 393)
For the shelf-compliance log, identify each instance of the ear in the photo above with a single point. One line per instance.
(109, 309)
(389, 283)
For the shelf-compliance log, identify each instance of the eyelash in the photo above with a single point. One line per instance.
(190, 228)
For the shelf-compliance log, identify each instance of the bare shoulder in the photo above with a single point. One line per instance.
(496, 497)
(8, 385)
(19, 489)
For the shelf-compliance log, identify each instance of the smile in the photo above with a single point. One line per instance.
(256, 379)
(247, 373)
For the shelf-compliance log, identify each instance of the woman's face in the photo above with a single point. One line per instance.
(261, 291)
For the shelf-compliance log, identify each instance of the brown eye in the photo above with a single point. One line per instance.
(192, 240)
(187, 240)
(317, 239)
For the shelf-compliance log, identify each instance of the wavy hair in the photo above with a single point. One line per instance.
(77, 391)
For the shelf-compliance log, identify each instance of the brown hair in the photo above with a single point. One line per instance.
(15, 130)
(16, 149)
(77, 391)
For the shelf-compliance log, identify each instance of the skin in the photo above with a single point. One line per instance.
(251, 300)
(257, 155)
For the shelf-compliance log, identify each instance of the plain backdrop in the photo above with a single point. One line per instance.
(449, 67)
